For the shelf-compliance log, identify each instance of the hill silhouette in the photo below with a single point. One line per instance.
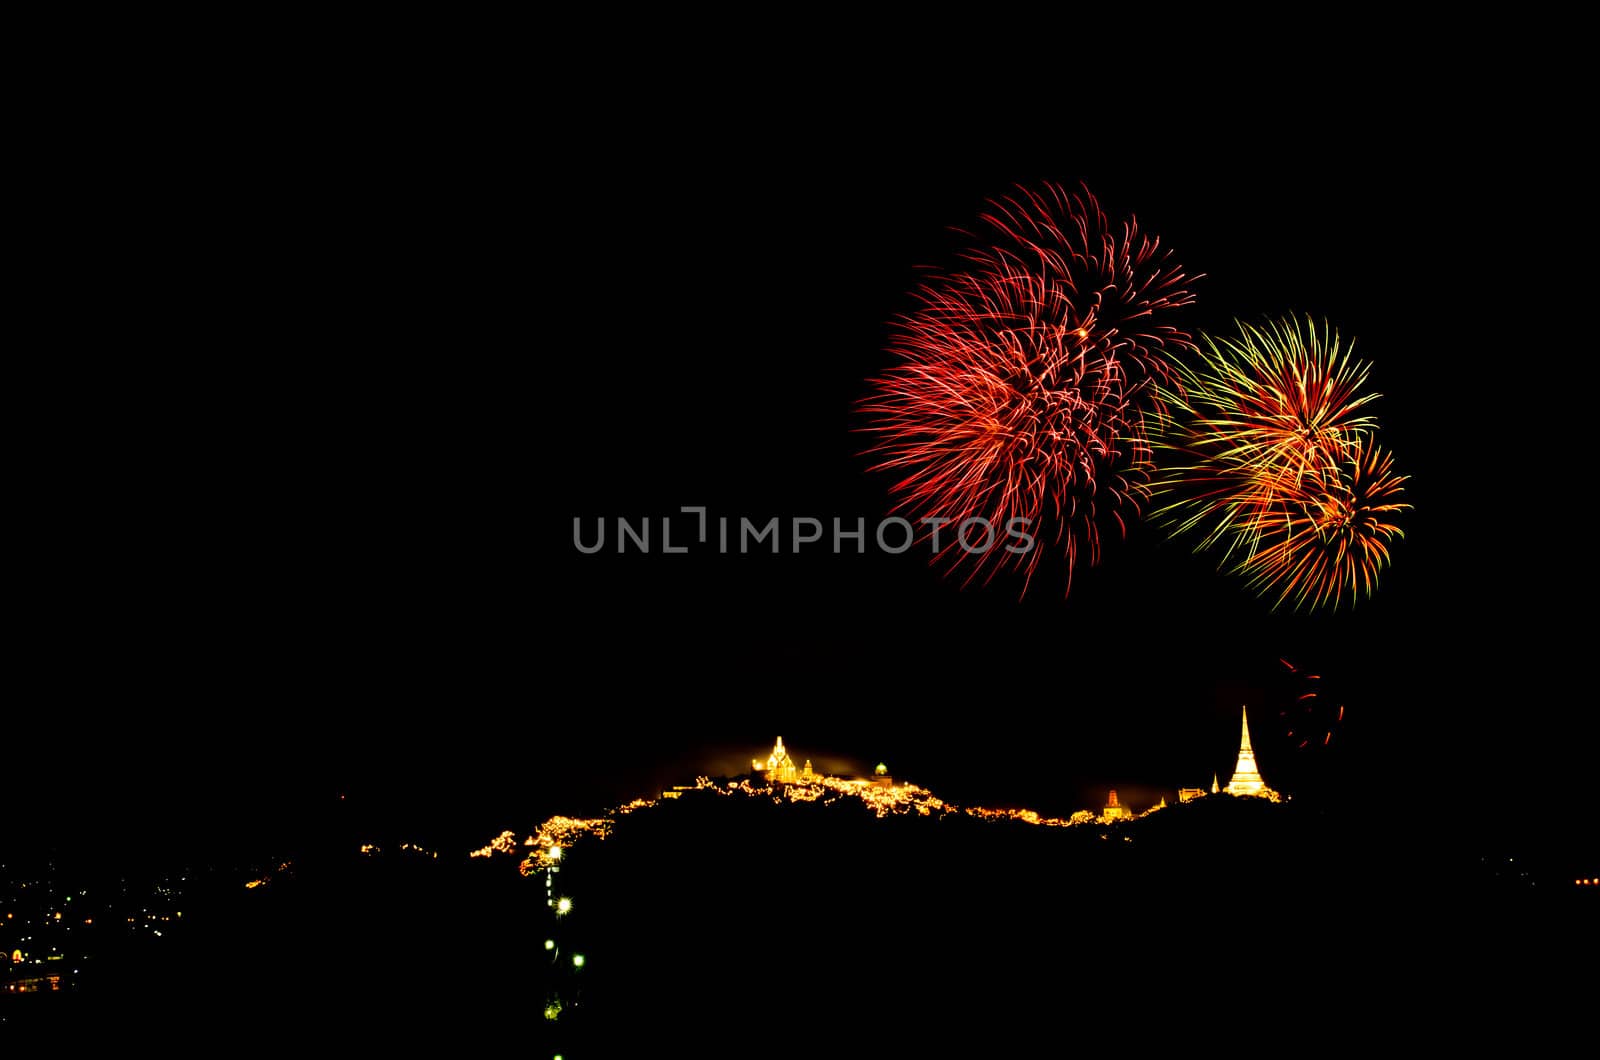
(743, 919)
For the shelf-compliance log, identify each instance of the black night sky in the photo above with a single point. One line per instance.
(326, 394)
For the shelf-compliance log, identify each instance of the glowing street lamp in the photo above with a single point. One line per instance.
(549, 944)
(577, 960)
(564, 906)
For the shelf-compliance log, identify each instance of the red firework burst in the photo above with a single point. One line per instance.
(1022, 383)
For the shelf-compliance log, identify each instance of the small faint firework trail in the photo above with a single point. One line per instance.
(1310, 714)
(1268, 453)
(1021, 385)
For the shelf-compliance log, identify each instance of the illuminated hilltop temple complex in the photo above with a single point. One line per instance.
(1246, 781)
(780, 767)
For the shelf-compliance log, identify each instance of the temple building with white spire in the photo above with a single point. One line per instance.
(1246, 777)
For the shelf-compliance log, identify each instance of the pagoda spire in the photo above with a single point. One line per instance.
(1246, 777)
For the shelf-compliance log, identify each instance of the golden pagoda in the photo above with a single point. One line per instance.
(1246, 778)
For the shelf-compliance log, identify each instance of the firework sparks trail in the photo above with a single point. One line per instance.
(1268, 453)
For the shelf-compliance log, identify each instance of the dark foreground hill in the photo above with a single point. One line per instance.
(799, 925)
(730, 925)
